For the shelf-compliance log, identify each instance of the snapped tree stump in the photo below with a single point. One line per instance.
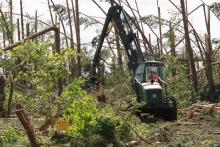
(25, 121)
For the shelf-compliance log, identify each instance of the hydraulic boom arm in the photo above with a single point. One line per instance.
(135, 55)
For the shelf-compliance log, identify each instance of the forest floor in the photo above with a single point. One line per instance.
(201, 130)
(197, 131)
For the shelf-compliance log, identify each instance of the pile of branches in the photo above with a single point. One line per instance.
(196, 109)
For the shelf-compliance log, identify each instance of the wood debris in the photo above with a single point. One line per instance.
(196, 109)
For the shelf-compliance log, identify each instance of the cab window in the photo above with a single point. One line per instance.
(151, 73)
(139, 74)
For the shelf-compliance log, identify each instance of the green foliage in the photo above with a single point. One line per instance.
(82, 116)
(93, 124)
(124, 130)
(10, 136)
(179, 85)
(106, 126)
(36, 69)
(208, 141)
(73, 91)
(118, 87)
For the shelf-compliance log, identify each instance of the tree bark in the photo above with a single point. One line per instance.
(7, 27)
(2, 95)
(11, 21)
(35, 22)
(57, 48)
(27, 30)
(51, 15)
(160, 28)
(73, 61)
(172, 47)
(10, 94)
(209, 72)
(189, 47)
(78, 38)
(22, 19)
(62, 23)
(18, 30)
(25, 121)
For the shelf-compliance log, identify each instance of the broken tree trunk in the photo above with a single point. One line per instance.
(57, 48)
(11, 79)
(78, 37)
(208, 56)
(72, 65)
(160, 28)
(22, 116)
(11, 21)
(189, 47)
(2, 95)
(18, 30)
(209, 72)
(22, 19)
(172, 47)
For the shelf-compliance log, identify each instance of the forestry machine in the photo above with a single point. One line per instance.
(147, 75)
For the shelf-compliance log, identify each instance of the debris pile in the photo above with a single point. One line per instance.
(196, 109)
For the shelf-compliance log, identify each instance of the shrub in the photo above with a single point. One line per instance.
(11, 136)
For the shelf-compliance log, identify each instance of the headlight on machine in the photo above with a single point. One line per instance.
(154, 96)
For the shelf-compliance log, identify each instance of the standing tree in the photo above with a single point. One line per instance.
(2, 94)
(78, 37)
(189, 47)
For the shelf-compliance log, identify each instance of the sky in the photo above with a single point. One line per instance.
(146, 7)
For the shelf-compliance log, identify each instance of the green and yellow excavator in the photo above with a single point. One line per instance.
(147, 74)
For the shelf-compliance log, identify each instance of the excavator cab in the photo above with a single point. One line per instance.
(149, 71)
(148, 82)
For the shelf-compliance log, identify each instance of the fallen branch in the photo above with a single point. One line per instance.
(138, 135)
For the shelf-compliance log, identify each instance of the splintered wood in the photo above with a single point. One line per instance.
(196, 109)
(25, 121)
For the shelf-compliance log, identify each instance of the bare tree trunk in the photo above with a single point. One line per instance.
(71, 27)
(189, 47)
(62, 23)
(10, 94)
(35, 22)
(73, 61)
(27, 30)
(160, 28)
(18, 29)
(2, 95)
(22, 19)
(158, 46)
(6, 26)
(208, 54)
(8, 48)
(11, 21)
(57, 47)
(199, 46)
(172, 46)
(78, 37)
(51, 15)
